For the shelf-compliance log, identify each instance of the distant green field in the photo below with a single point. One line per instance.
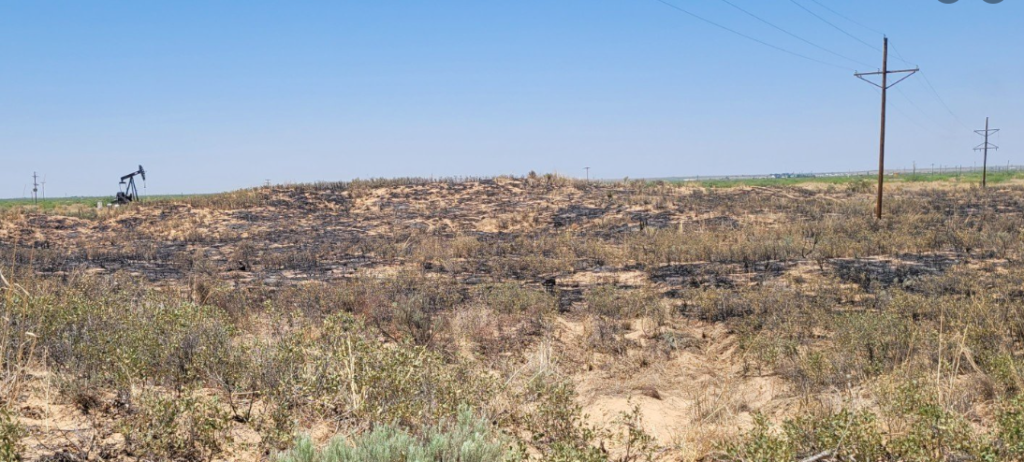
(50, 204)
(966, 177)
(64, 203)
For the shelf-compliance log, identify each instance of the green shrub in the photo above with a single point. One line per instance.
(761, 443)
(114, 338)
(914, 427)
(556, 420)
(11, 432)
(1010, 430)
(851, 435)
(187, 427)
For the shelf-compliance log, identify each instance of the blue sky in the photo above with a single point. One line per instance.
(211, 96)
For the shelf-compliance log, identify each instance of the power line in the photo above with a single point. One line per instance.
(905, 95)
(931, 87)
(900, 55)
(762, 42)
(840, 29)
(908, 117)
(872, 29)
(909, 99)
(912, 103)
(792, 34)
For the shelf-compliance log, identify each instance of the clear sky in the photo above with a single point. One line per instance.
(211, 96)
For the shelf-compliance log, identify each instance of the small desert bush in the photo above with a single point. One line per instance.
(555, 419)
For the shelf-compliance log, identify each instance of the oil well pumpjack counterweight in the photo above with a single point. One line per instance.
(130, 192)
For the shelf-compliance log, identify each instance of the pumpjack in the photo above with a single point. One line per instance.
(130, 193)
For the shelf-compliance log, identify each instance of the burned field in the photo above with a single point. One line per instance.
(532, 318)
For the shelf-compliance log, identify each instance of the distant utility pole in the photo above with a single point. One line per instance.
(885, 86)
(588, 172)
(35, 187)
(43, 184)
(985, 147)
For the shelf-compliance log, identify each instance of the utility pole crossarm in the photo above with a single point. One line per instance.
(909, 72)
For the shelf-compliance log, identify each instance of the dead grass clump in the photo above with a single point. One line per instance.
(619, 303)
(515, 299)
(604, 335)
(412, 306)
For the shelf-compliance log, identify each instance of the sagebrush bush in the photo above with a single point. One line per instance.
(467, 439)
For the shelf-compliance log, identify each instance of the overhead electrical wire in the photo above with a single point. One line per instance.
(899, 56)
(840, 29)
(748, 37)
(727, 2)
(908, 117)
(872, 29)
(907, 96)
(826, 63)
(931, 87)
(922, 111)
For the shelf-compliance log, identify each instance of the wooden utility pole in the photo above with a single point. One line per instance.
(35, 187)
(885, 86)
(588, 172)
(985, 147)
